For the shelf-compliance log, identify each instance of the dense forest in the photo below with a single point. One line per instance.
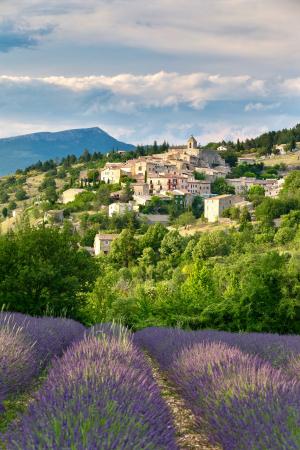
(246, 278)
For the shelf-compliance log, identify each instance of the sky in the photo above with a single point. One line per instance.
(144, 70)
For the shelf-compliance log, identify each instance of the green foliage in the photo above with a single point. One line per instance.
(124, 249)
(256, 194)
(21, 194)
(247, 170)
(4, 197)
(199, 176)
(272, 208)
(82, 202)
(186, 218)
(292, 183)
(220, 186)
(197, 206)
(43, 269)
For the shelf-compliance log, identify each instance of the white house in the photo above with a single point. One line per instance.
(222, 148)
(119, 208)
(214, 206)
(102, 243)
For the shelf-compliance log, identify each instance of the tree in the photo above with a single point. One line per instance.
(269, 209)
(4, 197)
(153, 237)
(291, 183)
(12, 205)
(171, 247)
(21, 195)
(256, 194)
(220, 186)
(4, 212)
(197, 206)
(103, 195)
(292, 145)
(43, 270)
(50, 194)
(124, 249)
(212, 244)
(186, 218)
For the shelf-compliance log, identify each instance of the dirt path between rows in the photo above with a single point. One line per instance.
(188, 437)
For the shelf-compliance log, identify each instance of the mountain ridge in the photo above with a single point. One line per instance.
(17, 152)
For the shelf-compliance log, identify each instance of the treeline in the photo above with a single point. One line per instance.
(265, 142)
(87, 157)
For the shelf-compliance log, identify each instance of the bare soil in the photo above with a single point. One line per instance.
(189, 437)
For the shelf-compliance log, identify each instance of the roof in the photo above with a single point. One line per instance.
(220, 197)
(106, 237)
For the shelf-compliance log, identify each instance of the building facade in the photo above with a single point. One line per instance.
(102, 243)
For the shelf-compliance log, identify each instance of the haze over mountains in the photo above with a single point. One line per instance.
(21, 151)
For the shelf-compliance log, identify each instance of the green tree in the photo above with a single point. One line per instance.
(256, 194)
(124, 249)
(42, 269)
(4, 197)
(220, 186)
(197, 206)
(153, 237)
(21, 195)
(12, 205)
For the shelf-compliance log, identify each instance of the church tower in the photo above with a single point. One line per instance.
(192, 143)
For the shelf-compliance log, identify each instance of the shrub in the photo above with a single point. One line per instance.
(27, 345)
(100, 394)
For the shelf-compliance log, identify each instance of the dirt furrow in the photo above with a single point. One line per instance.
(188, 437)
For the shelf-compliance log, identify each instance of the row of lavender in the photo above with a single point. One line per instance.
(244, 389)
(27, 345)
(99, 394)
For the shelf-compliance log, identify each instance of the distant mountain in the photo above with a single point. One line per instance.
(21, 151)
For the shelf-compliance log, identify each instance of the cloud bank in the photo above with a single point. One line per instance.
(161, 105)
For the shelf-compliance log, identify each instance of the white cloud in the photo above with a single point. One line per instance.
(261, 106)
(216, 27)
(141, 108)
(126, 92)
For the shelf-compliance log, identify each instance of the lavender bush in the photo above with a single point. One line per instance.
(164, 343)
(241, 399)
(99, 395)
(27, 344)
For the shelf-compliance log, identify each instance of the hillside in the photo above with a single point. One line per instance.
(21, 151)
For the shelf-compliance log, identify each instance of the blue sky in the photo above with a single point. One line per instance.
(150, 70)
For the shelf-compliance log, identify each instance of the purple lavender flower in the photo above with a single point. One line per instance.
(99, 395)
(27, 345)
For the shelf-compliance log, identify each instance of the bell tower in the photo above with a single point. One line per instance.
(192, 143)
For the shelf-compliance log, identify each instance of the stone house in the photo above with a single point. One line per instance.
(102, 243)
(119, 208)
(214, 206)
(198, 187)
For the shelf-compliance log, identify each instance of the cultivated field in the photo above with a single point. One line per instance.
(160, 388)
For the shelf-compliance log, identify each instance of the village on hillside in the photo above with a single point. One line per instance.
(181, 179)
(175, 175)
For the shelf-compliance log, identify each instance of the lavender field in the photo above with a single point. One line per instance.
(99, 391)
